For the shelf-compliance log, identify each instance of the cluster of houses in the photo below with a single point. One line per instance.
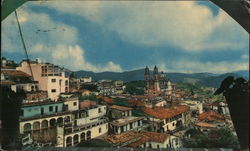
(51, 114)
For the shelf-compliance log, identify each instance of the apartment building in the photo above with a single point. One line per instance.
(51, 78)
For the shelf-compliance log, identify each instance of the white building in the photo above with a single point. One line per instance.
(51, 78)
(194, 105)
(88, 123)
(126, 124)
(168, 119)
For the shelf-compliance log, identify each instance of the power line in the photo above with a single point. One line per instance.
(24, 46)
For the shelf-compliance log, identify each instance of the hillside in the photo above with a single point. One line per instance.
(205, 79)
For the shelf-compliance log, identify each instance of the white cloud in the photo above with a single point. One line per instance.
(49, 40)
(73, 58)
(183, 24)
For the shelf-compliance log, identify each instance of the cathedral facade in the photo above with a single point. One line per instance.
(158, 83)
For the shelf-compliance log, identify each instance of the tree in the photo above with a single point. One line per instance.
(222, 138)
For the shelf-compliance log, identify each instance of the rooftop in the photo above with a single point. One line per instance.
(86, 104)
(15, 73)
(7, 82)
(156, 137)
(123, 137)
(210, 116)
(125, 120)
(206, 125)
(121, 108)
(164, 113)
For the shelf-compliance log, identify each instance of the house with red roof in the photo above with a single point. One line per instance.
(168, 119)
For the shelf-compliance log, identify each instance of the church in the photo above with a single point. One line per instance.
(159, 82)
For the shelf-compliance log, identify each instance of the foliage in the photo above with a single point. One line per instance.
(90, 87)
(94, 143)
(222, 138)
(91, 97)
(135, 87)
(138, 112)
(121, 102)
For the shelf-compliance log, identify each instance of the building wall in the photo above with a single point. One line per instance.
(126, 127)
(40, 120)
(94, 133)
(93, 115)
(170, 142)
(29, 111)
(44, 82)
(72, 104)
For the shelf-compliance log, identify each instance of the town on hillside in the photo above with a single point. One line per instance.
(53, 107)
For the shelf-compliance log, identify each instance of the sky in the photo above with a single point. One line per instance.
(177, 36)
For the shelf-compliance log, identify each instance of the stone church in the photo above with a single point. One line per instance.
(159, 82)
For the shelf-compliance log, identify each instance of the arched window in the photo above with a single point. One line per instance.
(82, 136)
(88, 135)
(36, 125)
(76, 139)
(27, 127)
(68, 141)
(45, 124)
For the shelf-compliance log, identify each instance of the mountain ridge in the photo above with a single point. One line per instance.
(205, 79)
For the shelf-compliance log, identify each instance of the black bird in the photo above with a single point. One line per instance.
(225, 84)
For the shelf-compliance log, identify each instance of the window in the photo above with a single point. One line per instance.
(139, 123)
(53, 80)
(173, 124)
(75, 103)
(51, 108)
(99, 110)
(100, 130)
(21, 113)
(131, 125)
(66, 82)
(56, 109)
(158, 146)
(53, 90)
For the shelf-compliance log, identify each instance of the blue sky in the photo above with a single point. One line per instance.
(98, 36)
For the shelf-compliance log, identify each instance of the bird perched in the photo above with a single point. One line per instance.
(225, 84)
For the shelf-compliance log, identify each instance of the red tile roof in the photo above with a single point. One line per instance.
(86, 104)
(149, 136)
(210, 116)
(204, 124)
(7, 82)
(163, 113)
(121, 108)
(123, 137)
(139, 142)
(106, 99)
(156, 137)
(15, 73)
(136, 103)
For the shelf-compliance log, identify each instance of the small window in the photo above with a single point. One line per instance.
(51, 108)
(99, 110)
(173, 124)
(53, 80)
(158, 146)
(75, 103)
(53, 90)
(100, 130)
(21, 112)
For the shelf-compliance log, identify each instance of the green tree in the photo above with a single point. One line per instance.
(222, 138)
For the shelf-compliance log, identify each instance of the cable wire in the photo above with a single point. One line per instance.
(24, 46)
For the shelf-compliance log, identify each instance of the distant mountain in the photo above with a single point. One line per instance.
(205, 79)
(243, 73)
